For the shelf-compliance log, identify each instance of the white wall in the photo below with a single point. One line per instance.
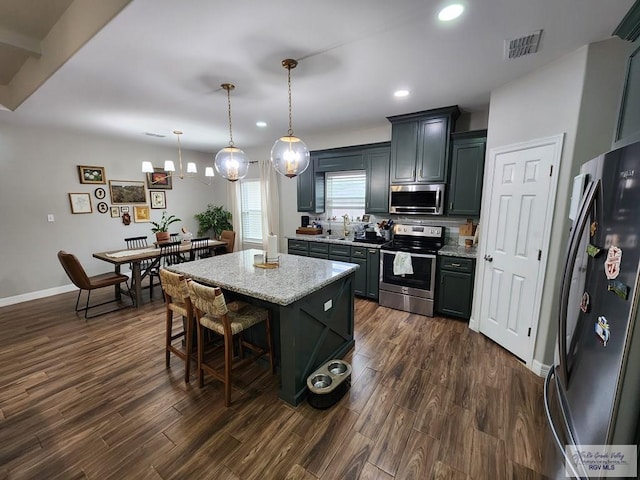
(578, 96)
(38, 168)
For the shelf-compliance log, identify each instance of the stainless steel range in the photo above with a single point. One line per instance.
(405, 291)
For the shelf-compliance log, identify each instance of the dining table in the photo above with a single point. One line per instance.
(135, 258)
(311, 301)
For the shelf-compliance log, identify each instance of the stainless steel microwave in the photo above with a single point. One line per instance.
(417, 199)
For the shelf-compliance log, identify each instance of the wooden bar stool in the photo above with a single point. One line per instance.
(176, 294)
(212, 313)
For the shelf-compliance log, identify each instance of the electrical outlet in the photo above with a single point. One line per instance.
(328, 304)
(51, 218)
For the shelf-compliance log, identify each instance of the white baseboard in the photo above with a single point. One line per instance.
(25, 297)
(474, 325)
(540, 369)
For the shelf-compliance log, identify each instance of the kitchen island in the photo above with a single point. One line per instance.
(312, 305)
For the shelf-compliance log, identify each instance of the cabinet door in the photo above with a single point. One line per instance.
(629, 117)
(467, 171)
(360, 282)
(373, 272)
(404, 139)
(433, 140)
(377, 194)
(306, 189)
(454, 294)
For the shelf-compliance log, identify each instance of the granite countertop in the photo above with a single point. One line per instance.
(338, 240)
(295, 278)
(459, 251)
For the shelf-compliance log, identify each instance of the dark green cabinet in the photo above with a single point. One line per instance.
(311, 189)
(377, 186)
(373, 272)
(420, 145)
(467, 171)
(298, 247)
(455, 286)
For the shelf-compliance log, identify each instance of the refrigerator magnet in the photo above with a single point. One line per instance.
(619, 288)
(584, 302)
(612, 263)
(593, 228)
(602, 330)
(593, 251)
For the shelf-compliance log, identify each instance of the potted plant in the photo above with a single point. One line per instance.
(161, 228)
(214, 218)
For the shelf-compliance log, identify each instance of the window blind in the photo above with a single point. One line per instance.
(251, 211)
(345, 193)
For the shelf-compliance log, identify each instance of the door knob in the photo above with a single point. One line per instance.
(488, 258)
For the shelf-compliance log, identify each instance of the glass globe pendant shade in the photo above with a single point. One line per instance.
(290, 156)
(232, 163)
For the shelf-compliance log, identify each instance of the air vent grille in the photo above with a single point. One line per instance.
(524, 45)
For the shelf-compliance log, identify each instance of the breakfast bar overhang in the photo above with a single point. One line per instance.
(312, 305)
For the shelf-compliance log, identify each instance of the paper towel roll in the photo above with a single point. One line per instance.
(272, 247)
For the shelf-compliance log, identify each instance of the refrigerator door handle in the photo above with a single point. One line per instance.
(547, 409)
(587, 205)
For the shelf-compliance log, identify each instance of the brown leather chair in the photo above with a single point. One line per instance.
(80, 279)
(228, 236)
(176, 295)
(212, 313)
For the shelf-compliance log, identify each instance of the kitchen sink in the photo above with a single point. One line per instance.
(331, 237)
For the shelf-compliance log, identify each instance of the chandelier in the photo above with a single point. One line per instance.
(289, 154)
(231, 162)
(169, 166)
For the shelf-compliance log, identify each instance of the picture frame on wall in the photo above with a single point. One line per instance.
(127, 191)
(115, 212)
(159, 179)
(141, 213)
(91, 174)
(80, 203)
(158, 199)
(124, 209)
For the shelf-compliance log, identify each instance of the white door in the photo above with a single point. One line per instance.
(520, 208)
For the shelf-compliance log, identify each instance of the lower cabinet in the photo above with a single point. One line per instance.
(366, 278)
(455, 286)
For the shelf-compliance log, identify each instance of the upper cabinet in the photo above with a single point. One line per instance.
(377, 188)
(311, 189)
(420, 145)
(628, 128)
(467, 171)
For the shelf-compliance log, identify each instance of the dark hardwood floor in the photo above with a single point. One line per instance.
(93, 399)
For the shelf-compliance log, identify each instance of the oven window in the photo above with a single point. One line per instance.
(421, 278)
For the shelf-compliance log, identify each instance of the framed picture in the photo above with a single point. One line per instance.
(102, 207)
(124, 209)
(115, 212)
(366, 218)
(125, 191)
(158, 199)
(80, 203)
(141, 213)
(100, 193)
(159, 179)
(90, 174)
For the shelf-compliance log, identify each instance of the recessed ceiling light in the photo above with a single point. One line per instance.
(261, 124)
(450, 12)
(401, 93)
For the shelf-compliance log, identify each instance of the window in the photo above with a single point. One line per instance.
(251, 211)
(345, 193)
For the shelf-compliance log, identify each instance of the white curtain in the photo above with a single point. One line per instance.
(270, 201)
(233, 200)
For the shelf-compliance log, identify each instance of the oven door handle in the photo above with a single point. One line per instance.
(418, 255)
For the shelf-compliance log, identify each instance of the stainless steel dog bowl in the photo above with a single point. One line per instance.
(321, 381)
(328, 384)
(337, 368)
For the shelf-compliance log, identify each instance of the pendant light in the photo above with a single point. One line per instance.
(231, 162)
(289, 155)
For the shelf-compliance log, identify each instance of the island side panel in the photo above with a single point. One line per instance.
(313, 330)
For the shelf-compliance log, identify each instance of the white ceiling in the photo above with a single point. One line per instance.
(158, 65)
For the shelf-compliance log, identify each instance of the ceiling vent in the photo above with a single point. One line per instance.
(523, 45)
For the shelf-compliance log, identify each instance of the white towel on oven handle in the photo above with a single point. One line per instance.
(402, 264)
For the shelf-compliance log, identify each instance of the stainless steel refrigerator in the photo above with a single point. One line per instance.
(592, 392)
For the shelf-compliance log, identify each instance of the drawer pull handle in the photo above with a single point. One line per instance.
(455, 264)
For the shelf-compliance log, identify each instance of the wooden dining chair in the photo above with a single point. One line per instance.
(213, 314)
(199, 248)
(169, 255)
(228, 236)
(177, 300)
(80, 279)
